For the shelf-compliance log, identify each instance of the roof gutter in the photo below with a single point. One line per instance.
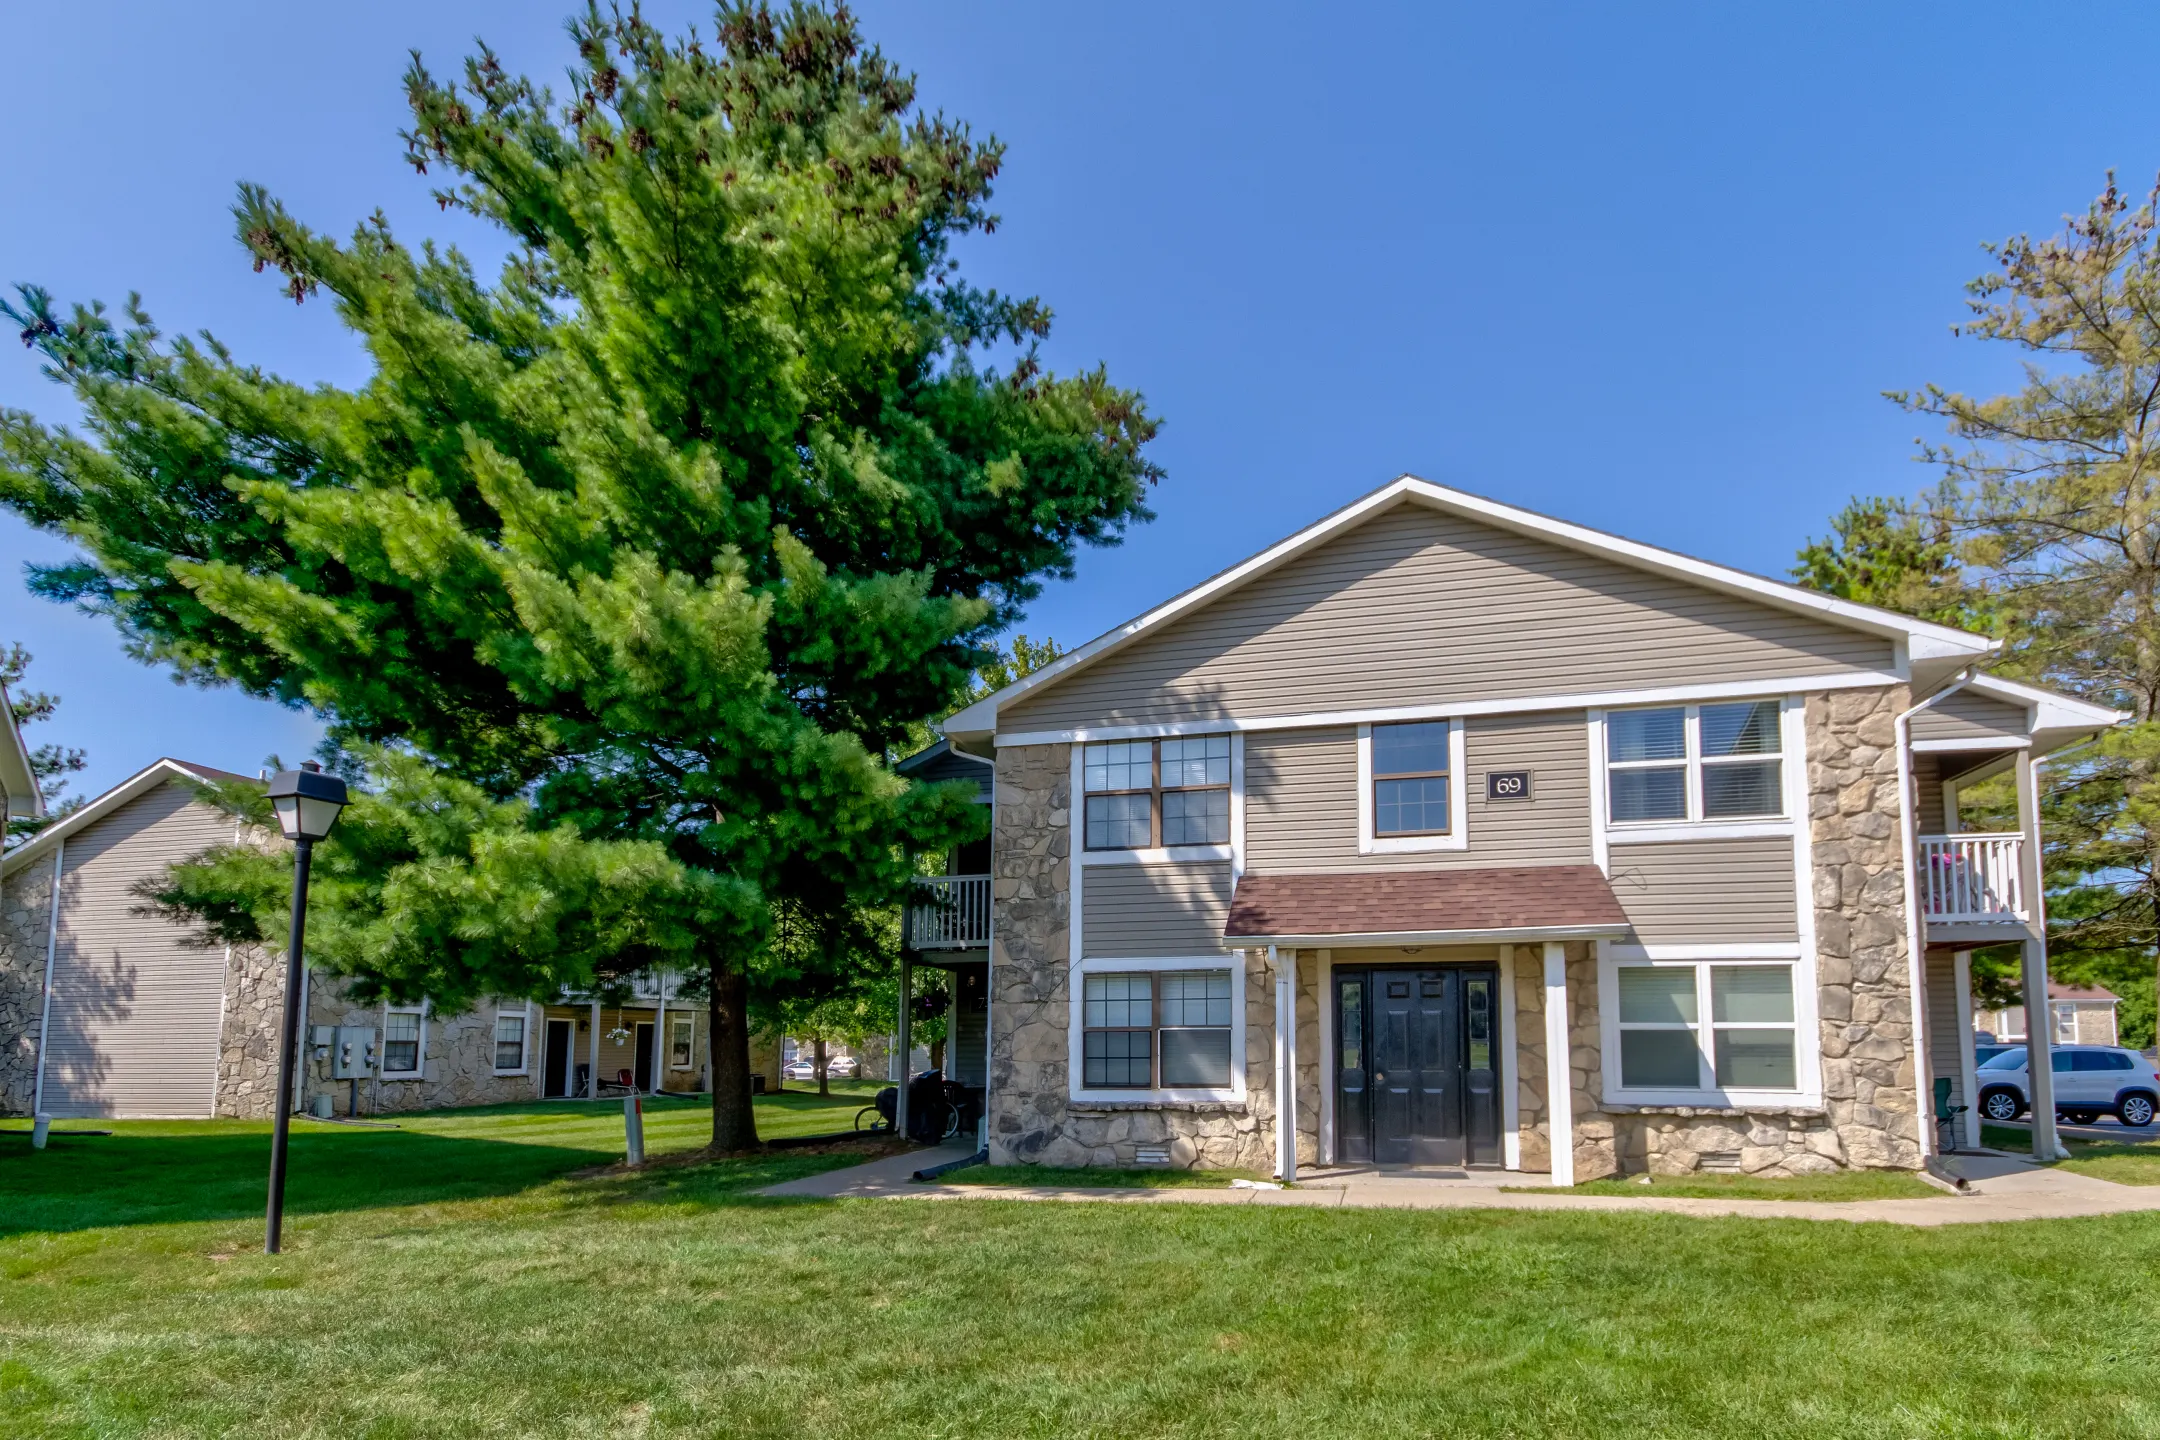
(1915, 944)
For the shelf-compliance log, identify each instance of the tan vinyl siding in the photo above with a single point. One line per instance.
(1301, 799)
(1967, 715)
(135, 1014)
(1417, 607)
(1142, 910)
(1704, 891)
(1944, 1023)
(1928, 793)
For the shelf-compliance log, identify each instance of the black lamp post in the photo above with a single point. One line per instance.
(307, 803)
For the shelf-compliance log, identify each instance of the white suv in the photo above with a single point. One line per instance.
(2090, 1081)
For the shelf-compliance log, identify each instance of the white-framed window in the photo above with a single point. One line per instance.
(1695, 764)
(1411, 787)
(1708, 1027)
(510, 1037)
(1164, 1029)
(1156, 794)
(404, 1041)
(682, 1036)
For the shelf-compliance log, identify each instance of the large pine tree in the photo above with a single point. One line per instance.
(674, 528)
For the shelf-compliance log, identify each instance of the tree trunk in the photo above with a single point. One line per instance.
(734, 1122)
(822, 1087)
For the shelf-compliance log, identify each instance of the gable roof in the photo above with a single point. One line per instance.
(1933, 652)
(2052, 718)
(140, 783)
(16, 776)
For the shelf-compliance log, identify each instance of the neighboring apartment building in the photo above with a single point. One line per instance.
(19, 797)
(2082, 1015)
(108, 1012)
(1514, 843)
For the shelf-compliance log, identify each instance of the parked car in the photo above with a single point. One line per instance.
(800, 1068)
(843, 1067)
(1986, 1050)
(2090, 1081)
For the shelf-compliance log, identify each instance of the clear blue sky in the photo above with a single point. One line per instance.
(1646, 267)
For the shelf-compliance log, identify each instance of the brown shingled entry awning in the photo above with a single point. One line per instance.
(1530, 900)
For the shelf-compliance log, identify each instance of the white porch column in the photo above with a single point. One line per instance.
(1510, 1086)
(1968, 1070)
(1285, 965)
(1559, 1083)
(592, 1079)
(2039, 1072)
(906, 1040)
(659, 1031)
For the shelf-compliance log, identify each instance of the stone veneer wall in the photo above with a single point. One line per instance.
(1032, 1118)
(1870, 1115)
(248, 1036)
(457, 1060)
(25, 923)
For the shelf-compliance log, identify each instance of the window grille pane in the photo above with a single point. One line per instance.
(1751, 994)
(1124, 765)
(1195, 817)
(1756, 1060)
(1646, 734)
(1410, 807)
(1119, 822)
(1410, 749)
(1195, 1058)
(1659, 1060)
(1196, 760)
(1116, 1059)
(1117, 1000)
(1659, 794)
(1196, 997)
(1657, 995)
(509, 1042)
(401, 1042)
(1749, 728)
(1750, 789)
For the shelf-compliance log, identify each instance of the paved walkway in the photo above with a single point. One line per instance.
(2003, 1188)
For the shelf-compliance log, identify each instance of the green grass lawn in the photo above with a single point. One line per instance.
(1844, 1185)
(453, 1277)
(2131, 1164)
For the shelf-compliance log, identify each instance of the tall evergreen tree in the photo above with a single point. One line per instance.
(2051, 491)
(677, 526)
(1895, 554)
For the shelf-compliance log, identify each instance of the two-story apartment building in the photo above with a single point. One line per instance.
(1447, 833)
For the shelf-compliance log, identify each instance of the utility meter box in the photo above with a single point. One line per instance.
(352, 1057)
(321, 1038)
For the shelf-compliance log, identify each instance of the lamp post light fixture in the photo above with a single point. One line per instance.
(307, 804)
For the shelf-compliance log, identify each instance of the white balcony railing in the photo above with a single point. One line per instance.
(1971, 877)
(952, 912)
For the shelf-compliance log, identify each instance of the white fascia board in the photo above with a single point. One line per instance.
(16, 776)
(1920, 638)
(140, 783)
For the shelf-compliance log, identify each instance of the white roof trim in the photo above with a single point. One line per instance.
(16, 776)
(2048, 709)
(1921, 639)
(140, 783)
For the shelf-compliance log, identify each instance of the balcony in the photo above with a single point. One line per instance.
(950, 912)
(1971, 879)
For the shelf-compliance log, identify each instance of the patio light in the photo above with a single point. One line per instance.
(307, 804)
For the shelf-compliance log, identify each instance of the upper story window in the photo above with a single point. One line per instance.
(1142, 794)
(1410, 778)
(1694, 762)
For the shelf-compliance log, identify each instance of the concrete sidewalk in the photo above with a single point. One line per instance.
(2003, 1188)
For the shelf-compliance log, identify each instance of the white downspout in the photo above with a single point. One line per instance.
(52, 938)
(1285, 1079)
(1915, 941)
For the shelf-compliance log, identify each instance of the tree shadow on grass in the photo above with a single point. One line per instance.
(196, 1174)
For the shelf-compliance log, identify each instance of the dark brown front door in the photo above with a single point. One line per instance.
(1417, 1073)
